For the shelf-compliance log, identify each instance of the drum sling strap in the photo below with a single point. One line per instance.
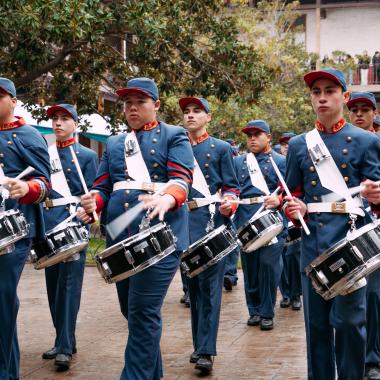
(59, 182)
(330, 177)
(257, 178)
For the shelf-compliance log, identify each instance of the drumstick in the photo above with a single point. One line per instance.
(82, 181)
(284, 185)
(119, 224)
(64, 222)
(25, 172)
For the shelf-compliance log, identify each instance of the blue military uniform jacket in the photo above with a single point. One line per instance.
(167, 154)
(215, 159)
(88, 161)
(248, 190)
(357, 154)
(21, 146)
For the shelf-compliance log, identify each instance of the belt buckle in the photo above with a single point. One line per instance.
(48, 203)
(147, 186)
(338, 207)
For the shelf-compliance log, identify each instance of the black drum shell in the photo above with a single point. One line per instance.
(207, 249)
(142, 250)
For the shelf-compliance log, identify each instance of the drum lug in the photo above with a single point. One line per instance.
(322, 277)
(208, 252)
(129, 257)
(185, 268)
(357, 253)
(33, 256)
(107, 270)
(50, 244)
(156, 244)
(8, 226)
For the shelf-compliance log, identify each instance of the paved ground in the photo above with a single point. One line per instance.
(244, 352)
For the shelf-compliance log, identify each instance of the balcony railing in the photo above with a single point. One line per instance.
(363, 77)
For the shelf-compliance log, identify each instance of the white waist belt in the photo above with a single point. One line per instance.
(252, 200)
(336, 207)
(137, 185)
(60, 201)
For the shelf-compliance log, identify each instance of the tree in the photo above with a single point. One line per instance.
(284, 102)
(64, 50)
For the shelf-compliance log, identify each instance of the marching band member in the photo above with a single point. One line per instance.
(290, 283)
(163, 153)
(64, 280)
(214, 159)
(262, 267)
(20, 146)
(230, 274)
(362, 112)
(335, 329)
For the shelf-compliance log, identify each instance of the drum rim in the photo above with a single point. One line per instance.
(354, 234)
(220, 256)
(14, 238)
(70, 224)
(142, 234)
(206, 238)
(252, 219)
(11, 211)
(47, 261)
(268, 229)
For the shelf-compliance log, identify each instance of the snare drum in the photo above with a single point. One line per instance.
(136, 253)
(208, 251)
(260, 230)
(342, 268)
(13, 227)
(294, 234)
(60, 244)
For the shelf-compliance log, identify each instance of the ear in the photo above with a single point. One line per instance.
(157, 105)
(209, 117)
(269, 136)
(346, 96)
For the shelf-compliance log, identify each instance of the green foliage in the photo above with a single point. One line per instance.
(64, 50)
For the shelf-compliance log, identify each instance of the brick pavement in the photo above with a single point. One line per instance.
(244, 352)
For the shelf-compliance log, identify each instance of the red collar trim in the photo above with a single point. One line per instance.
(14, 124)
(64, 144)
(199, 139)
(267, 149)
(335, 128)
(153, 124)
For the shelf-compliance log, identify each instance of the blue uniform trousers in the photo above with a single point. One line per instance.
(185, 280)
(284, 279)
(64, 287)
(262, 270)
(11, 266)
(141, 297)
(231, 266)
(292, 259)
(347, 316)
(205, 292)
(373, 318)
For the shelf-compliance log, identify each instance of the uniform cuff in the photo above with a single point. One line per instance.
(36, 193)
(178, 193)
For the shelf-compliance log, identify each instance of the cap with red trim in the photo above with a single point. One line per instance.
(362, 97)
(329, 73)
(7, 86)
(67, 108)
(145, 86)
(258, 125)
(201, 102)
(286, 136)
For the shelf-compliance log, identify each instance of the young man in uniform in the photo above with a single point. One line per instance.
(290, 283)
(20, 146)
(64, 280)
(262, 267)
(215, 161)
(230, 274)
(336, 328)
(163, 153)
(362, 111)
